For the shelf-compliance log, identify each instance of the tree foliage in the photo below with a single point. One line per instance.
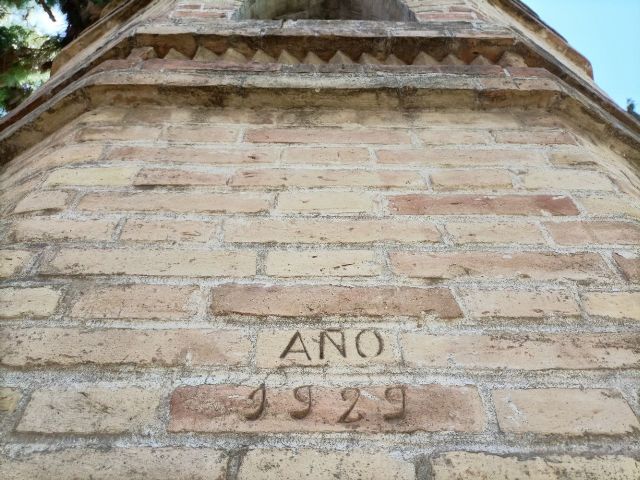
(631, 108)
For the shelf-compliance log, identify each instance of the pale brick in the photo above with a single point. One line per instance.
(564, 411)
(204, 203)
(326, 263)
(436, 157)
(278, 178)
(495, 232)
(613, 304)
(610, 206)
(520, 304)
(119, 133)
(573, 158)
(318, 301)
(419, 204)
(9, 399)
(429, 408)
(93, 176)
(13, 261)
(42, 202)
(71, 154)
(173, 231)
(149, 302)
(586, 267)
(455, 137)
(325, 156)
(481, 466)
(329, 202)
(593, 233)
(37, 302)
(566, 180)
(186, 154)
(38, 229)
(34, 347)
(471, 179)
(117, 464)
(522, 352)
(165, 262)
(329, 231)
(537, 137)
(91, 410)
(304, 348)
(153, 177)
(321, 465)
(201, 133)
(630, 266)
(327, 136)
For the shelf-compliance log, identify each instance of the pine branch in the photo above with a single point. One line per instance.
(46, 8)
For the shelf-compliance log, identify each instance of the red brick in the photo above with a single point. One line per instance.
(318, 301)
(325, 156)
(629, 266)
(153, 177)
(538, 137)
(201, 133)
(186, 154)
(418, 204)
(327, 136)
(326, 178)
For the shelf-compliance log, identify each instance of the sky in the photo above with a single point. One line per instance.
(40, 21)
(607, 32)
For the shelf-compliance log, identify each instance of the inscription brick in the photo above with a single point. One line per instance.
(315, 202)
(13, 261)
(495, 232)
(92, 176)
(482, 466)
(326, 178)
(325, 156)
(200, 133)
(32, 347)
(321, 465)
(522, 352)
(186, 154)
(46, 229)
(539, 137)
(418, 204)
(118, 463)
(316, 301)
(92, 410)
(154, 177)
(37, 302)
(591, 233)
(327, 136)
(564, 411)
(520, 304)
(42, 202)
(457, 157)
(149, 302)
(172, 231)
(613, 304)
(376, 409)
(325, 263)
(152, 262)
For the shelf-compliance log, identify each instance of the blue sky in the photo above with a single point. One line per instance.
(607, 32)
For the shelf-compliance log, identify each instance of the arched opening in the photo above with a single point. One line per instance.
(376, 10)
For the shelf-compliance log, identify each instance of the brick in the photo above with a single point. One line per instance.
(200, 133)
(9, 399)
(418, 204)
(321, 465)
(303, 348)
(119, 133)
(326, 263)
(93, 176)
(327, 136)
(495, 232)
(438, 157)
(328, 231)
(173, 231)
(520, 304)
(278, 178)
(482, 466)
(564, 411)
(613, 304)
(592, 233)
(522, 352)
(71, 154)
(325, 156)
(203, 203)
(455, 137)
(146, 262)
(38, 229)
(536, 137)
(36, 347)
(43, 202)
(118, 463)
(630, 267)
(428, 408)
(573, 158)
(585, 267)
(148, 302)
(169, 177)
(37, 302)
(13, 261)
(186, 154)
(471, 179)
(566, 180)
(610, 206)
(318, 202)
(318, 301)
(90, 410)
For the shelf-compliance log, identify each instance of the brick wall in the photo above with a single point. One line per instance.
(195, 293)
